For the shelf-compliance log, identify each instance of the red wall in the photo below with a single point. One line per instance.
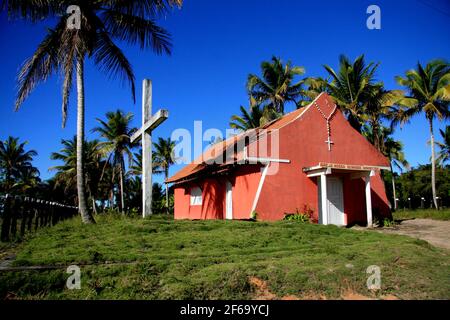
(244, 180)
(303, 143)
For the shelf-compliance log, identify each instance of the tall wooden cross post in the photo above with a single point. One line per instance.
(149, 123)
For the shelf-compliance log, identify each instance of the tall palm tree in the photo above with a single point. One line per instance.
(163, 159)
(381, 105)
(429, 90)
(351, 87)
(444, 152)
(65, 49)
(248, 119)
(14, 161)
(276, 87)
(116, 132)
(391, 148)
(66, 173)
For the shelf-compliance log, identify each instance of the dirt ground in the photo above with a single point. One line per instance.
(436, 232)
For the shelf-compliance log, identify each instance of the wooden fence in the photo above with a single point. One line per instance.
(20, 215)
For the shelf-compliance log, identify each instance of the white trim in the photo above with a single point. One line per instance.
(324, 198)
(318, 172)
(368, 201)
(260, 185)
(367, 168)
(257, 159)
(228, 200)
(263, 159)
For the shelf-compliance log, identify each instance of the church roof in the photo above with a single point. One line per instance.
(219, 149)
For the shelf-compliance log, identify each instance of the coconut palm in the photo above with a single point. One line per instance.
(27, 181)
(429, 90)
(14, 161)
(313, 87)
(444, 152)
(381, 105)
(136, 166)
(66, 173)
(65, 49)
(248, 119)
(276, 87)
(351, 87)
(391, 148)
(116, 132)
(163, 159)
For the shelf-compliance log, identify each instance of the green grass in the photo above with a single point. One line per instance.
(215, 259)
(443, 214)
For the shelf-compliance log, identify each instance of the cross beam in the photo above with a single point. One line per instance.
(159, 117)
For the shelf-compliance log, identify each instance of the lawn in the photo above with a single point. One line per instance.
(159, 258)
(443, 214)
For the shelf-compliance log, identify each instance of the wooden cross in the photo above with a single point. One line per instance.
(149, 123)
(329, 143)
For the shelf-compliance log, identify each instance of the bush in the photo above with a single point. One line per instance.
(305, 215)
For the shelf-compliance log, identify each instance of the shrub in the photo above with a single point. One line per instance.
(304, 215)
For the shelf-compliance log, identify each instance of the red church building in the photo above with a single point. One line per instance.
(309, 158)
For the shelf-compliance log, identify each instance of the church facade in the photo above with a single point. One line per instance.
(308, 160)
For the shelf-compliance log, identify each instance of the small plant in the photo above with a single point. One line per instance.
(305, 215)
(254, 215)
(384, 223)
(388, 223)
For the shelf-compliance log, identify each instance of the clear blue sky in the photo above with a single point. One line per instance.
(216, 45)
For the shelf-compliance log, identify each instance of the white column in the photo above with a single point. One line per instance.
(324, 197)
(368, 201)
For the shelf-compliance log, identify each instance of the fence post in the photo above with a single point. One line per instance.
(6, 225)
(15, 211)
(24, 215)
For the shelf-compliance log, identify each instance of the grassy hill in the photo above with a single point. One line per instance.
(158, 258)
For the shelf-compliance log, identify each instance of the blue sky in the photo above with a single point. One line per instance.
(216, 45)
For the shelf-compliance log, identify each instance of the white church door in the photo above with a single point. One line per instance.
(229, 201)
(335, 195)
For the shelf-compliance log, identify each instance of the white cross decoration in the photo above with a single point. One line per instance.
(329, 143)
(149, 123)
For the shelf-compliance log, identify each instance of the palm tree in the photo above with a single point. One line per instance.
(429, 89)
(66, 173)
(136, 166)
(381, 105)
(248, 119)
(117, 132)
(391, 148)
(65, 49)
(28, 180)
(351, 87)
(444, 152)
(313, 87)
(14, 161)
(276, 87)
(163, 159)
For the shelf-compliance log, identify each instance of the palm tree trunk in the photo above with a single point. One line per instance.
(122, 205)
(86, 216)
(433, 165)
(393, 186)
(376, 138)
(166, 173)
